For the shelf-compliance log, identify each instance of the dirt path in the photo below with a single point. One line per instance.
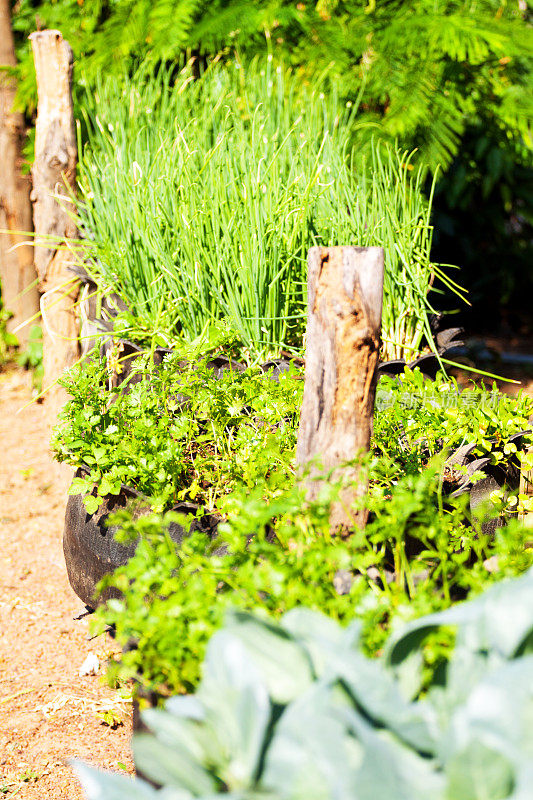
(48, 713)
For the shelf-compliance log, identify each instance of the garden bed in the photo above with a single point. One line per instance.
(165, 381)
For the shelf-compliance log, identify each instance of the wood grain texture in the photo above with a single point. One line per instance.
(526, 489)
(54, 181)
(345, 291)
(17, 271)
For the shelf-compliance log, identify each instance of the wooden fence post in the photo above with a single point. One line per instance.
(345, 294)
(54, 176)
(17, 272)
(526, 489)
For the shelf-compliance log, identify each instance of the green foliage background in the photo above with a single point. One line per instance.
(452, 78)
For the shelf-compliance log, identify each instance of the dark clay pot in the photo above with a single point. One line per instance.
(90, 548)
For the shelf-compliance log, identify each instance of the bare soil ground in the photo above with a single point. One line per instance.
(48, 713)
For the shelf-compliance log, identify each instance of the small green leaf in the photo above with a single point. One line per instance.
(81, 486)
(106, 486)
(91, 503)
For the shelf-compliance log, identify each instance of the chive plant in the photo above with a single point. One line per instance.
(200, 199)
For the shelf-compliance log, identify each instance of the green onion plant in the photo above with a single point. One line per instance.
(200, 198)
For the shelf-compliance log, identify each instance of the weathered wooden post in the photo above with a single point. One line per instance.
(17, 272)
(54, 180)
(345, 294)
(526, 486)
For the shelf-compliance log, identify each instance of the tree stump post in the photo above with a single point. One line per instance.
(54, 180)
(345, 295)
(526, 489)
(17, 272)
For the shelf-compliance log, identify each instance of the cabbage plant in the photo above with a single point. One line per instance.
(295, 710)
